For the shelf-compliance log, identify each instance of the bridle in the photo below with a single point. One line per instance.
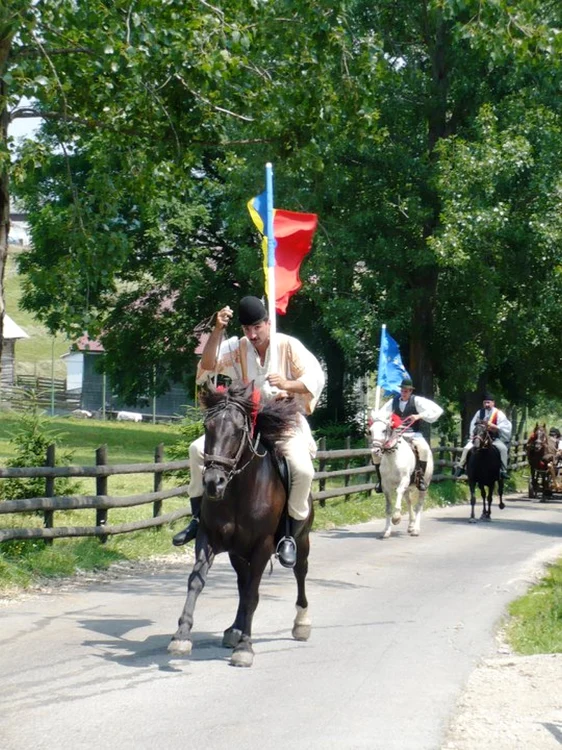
(212, 460)
(481, 440)
(392, 435)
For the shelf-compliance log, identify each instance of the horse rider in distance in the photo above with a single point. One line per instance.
(499, 428)
(299, 375)
(405, 404)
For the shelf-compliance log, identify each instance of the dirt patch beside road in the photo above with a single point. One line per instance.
(512, 702)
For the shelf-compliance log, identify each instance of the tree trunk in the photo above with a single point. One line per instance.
(335, 387)
(5, 45)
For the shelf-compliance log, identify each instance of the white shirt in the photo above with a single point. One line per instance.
(428, 410)
(503, 424)
(295, 362)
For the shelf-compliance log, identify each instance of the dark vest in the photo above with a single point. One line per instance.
(408, 411)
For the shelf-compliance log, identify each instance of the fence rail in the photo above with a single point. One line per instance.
(102, 502)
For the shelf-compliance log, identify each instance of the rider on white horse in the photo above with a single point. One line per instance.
(418, 408)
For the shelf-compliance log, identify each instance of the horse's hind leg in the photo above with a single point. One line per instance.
(302, 624)
(232, 635)
(181, 640)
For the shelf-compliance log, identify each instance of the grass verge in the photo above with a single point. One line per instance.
(536, 618)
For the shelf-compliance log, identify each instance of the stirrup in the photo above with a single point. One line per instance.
(286, 552)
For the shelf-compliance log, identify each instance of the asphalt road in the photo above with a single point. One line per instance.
(398, 626)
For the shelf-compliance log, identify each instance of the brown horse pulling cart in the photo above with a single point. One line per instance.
(545, 463)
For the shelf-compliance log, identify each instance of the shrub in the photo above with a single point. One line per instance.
(31, 440)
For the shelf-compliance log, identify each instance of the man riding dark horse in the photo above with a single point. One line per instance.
(298, 375)
(499, 428)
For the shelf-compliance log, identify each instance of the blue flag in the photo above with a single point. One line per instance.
(391, 369)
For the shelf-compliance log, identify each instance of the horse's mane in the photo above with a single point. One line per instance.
(274, 420)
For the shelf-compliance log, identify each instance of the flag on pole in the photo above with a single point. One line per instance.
(391, 370)
(293, 233)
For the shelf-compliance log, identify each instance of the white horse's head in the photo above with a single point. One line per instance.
(381, 430)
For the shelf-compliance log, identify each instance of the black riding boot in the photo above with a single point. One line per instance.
(287, 547)
(378, 484)
(420, 471)
(190, 532)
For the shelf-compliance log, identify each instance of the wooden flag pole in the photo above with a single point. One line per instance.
(271, 268)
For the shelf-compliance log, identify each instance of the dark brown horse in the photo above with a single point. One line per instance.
(483, 469)
(540, 453)
(243, 511)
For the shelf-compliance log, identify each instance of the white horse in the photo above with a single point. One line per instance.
(397, 467)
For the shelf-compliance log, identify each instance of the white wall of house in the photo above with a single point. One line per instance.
(74, 362)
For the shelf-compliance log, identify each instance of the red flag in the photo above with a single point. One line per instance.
(293, 233)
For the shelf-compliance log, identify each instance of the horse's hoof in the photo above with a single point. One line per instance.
(413, 532)
(386, 535)
(180, 648)
(502, 506)
(472, 520)
(231, 638)
(243, 657)
(301, 631)
(396, 518)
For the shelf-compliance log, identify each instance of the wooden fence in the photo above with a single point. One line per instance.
(334, 466)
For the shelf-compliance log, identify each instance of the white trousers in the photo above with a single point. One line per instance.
(499, 444)
(299, 450)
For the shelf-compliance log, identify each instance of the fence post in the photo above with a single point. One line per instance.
(321, 467)
(347, 463)
(158, 480)
(369, 477)
(454, 456)
(49, 490)
(101, 489)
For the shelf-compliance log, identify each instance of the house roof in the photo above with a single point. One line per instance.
(12, 329)
(86, 344)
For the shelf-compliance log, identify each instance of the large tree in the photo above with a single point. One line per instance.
(426, 136)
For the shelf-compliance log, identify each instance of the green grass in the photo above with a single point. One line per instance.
(536, 618)
(24, 563)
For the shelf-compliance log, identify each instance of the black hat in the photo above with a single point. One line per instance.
(407, 383)
(251, 311)
(487, 396)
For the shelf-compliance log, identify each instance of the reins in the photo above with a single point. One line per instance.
(390, 444)
(213, 460)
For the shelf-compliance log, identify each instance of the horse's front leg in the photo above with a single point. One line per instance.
(302, 624)
(414, 526)
(243, 654)
(472, 487)
(400, 492)
(484, 516)
(388, 523)
(181, 640)
(500, 493)
(232, 635)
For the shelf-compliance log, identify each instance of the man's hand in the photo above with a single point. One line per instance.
(493, 427)
(223, 317)
(278, 381)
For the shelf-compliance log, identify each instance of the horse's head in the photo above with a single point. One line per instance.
(480, 436)
(385, 433)
(229, 423)
(538, 440)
